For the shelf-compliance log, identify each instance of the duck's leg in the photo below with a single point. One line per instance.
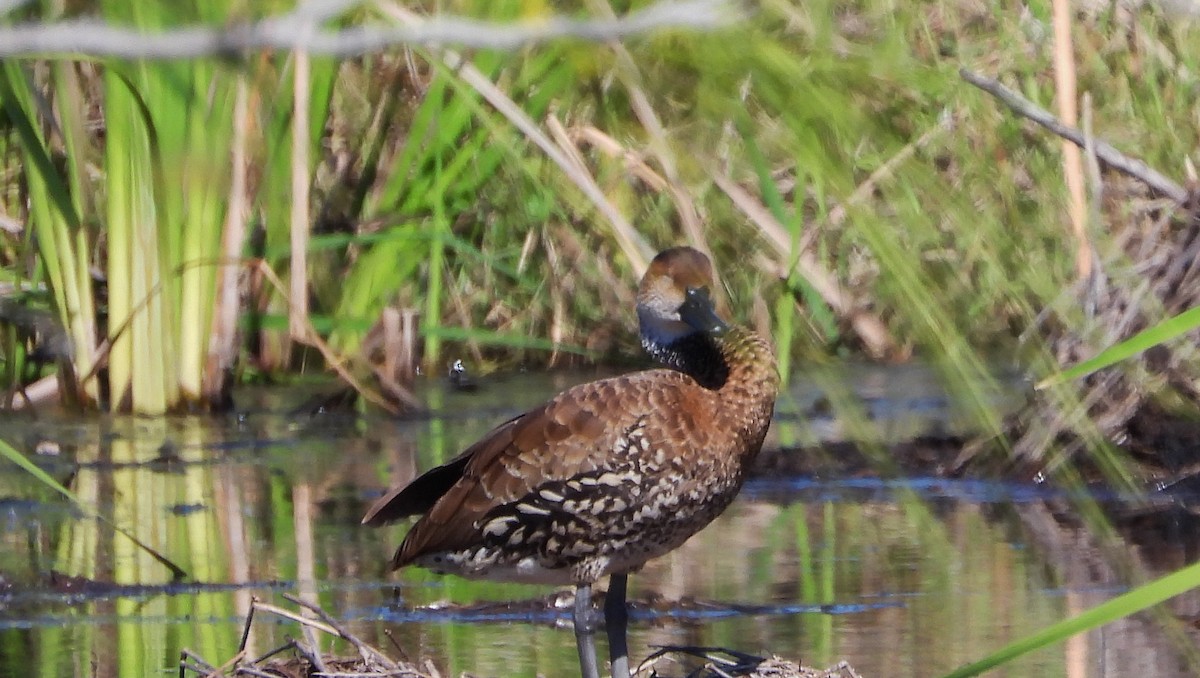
(616, 622)
(585, 643)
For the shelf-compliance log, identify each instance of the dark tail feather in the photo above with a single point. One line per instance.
(418, 496)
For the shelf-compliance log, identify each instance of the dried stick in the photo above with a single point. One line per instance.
(365, 650)
(249, 622)
(222, 346)
(289, 645)
(299, 619)
(1104, 151)
(1068, 108)
(190, 661)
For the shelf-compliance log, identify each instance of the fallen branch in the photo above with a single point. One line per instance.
(1104, 151)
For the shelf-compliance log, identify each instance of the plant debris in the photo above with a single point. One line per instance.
(724, 663)
(299, 658)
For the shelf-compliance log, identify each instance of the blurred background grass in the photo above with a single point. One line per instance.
(935, 210)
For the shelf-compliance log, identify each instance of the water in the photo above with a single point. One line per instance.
(899, 576)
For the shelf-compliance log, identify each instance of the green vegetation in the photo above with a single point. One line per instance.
(423, 194)
(197, 223)
(1137, 600)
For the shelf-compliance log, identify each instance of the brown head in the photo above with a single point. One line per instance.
(678, 320)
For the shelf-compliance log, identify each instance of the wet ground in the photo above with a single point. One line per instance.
(900, 574)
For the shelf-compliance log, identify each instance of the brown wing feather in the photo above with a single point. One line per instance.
(571, 434)
(421, 494)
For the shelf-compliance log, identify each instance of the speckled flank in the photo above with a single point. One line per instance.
(603, 477)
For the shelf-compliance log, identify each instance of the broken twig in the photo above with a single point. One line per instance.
(1104, 151)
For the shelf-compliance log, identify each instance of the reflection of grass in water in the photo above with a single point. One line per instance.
(965, 587)
(961, 584)
(137, 498)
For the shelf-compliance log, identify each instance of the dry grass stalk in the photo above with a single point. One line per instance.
(222, 344)
(1068, 111)
(635, 249)
(869, 329)
(298, 303)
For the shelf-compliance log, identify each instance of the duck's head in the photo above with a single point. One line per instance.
(674, 303)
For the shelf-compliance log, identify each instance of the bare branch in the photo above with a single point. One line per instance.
(93, 38)
(1104, 151)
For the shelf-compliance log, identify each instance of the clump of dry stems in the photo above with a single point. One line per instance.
(301, 658)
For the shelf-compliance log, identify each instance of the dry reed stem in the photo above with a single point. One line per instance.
(296, 617)
(222, 348)
(36, 393)
(408, 334)
(367, 652)
(630, 76)
(869, 329)
(556, 290)
(636, 251)
(306, 570)
(391, 342)
(298, 270)
(1068, 111)
(1095, 182)
(613, 149)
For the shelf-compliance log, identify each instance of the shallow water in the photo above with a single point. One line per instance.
(901, 577)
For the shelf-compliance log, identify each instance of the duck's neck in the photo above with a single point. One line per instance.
(696, 355)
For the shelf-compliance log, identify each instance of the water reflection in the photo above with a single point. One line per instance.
(902, 577)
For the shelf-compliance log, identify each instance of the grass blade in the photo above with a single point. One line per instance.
(1123, 605)
(1152, 336)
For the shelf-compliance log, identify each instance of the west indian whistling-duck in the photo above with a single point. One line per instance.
(606, 475)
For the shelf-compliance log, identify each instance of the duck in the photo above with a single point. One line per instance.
(606, 475)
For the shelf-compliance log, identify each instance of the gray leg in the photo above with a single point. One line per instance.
(584, 642)
(616, 621)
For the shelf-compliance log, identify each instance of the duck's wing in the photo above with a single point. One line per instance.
(573, 435)
(421, 494)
